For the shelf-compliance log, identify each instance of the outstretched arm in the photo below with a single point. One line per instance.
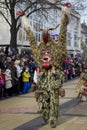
(31, 37)
(28, 29)
(65, 18)
(61, 53)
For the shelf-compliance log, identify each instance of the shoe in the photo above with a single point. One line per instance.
(45, 120)
(53, 123)
(45, 117)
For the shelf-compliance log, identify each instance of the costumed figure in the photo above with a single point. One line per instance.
(84, 53)
(49, 55)
(81, 87)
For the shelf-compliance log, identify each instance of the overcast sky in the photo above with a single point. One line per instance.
(80, 3)
(84, 16)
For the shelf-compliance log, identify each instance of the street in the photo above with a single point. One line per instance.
(21, 112)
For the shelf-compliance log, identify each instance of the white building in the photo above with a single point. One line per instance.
(84, 32)
(53, 18)
(4, 32)
(73, 29)
(74, 33)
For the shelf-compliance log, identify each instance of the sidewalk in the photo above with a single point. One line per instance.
(20, 113)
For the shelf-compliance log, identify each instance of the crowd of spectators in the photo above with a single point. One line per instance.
(17, 71)
(72, 66)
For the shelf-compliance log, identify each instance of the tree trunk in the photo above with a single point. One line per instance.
(13, 33)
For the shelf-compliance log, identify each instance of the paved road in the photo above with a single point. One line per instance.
(20, 113)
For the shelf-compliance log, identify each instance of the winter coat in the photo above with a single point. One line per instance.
(25, 76)
(8, 79)
(19, 70)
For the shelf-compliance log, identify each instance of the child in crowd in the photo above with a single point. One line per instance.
(8, 82)
(26, 80)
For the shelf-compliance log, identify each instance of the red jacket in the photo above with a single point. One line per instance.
(2, 75)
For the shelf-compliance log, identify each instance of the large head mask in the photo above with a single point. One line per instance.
(46, 58)
(46, 48)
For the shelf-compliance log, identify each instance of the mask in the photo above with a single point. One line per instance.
(46, 59)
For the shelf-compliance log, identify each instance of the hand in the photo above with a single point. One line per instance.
(41, 73)
(62, 92)
(53, 70)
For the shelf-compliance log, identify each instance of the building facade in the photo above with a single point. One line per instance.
(84, 32)
(53, 18)
(74, 34)
(37, 22)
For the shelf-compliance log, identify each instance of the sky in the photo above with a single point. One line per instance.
(82, 12)
(84, 17)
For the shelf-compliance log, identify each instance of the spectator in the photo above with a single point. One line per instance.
(18, 76)
(8, 83)
(8, 62)
(6, 50)
(14, 78)
(2, 83)
(32, 67)
(26, 80)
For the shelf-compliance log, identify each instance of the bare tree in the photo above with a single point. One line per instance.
(8, 11)
(8, 7)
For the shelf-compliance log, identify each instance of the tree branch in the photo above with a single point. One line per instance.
(7, 4)
(3, 7)
(17, 1)
(18, 27)
(5, 18)
(26, 9)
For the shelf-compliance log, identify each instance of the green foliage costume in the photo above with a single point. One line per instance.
(84, 54)
(49, 55)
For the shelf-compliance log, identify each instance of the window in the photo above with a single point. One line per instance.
(75, 44)
(38, 37)
(75, 40)
(20, 35)
(69, 39)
